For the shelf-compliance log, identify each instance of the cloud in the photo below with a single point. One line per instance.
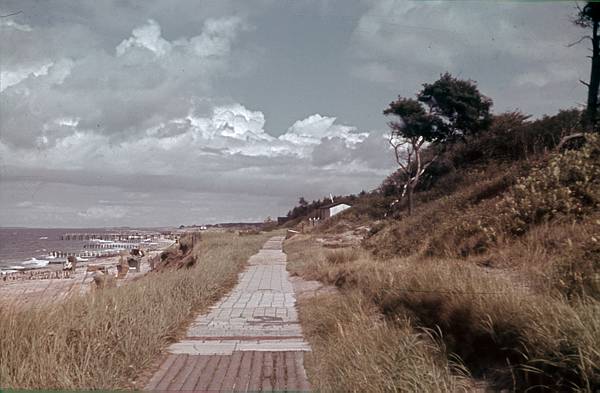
(191, 141)
(550, 74)
(234, 121)
(311, 130)
(9, 23)
(145, 81)
(510, 44)
(224, 157)
(228, 110)
(147, 36)
(11, 78)
(104, 212)
(217, 36)
(330, 151)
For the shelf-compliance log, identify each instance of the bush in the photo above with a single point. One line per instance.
(568, 185)
(512, 137)
(577, 274)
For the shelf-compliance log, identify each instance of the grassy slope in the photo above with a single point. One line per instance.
(355, 349)
(505, 267)
(105, 340)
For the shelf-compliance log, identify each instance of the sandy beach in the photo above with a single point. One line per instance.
(52, 284)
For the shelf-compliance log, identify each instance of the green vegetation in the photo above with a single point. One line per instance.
(445, 111)
(493, 267)
(106, 340)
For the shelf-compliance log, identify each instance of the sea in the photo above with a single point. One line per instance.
(19, 245)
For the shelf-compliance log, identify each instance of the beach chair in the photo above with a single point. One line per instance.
(70, 264)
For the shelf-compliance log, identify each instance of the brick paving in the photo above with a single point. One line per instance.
(251, 340)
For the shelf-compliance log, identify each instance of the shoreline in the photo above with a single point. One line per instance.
(51, 283)
(27, 249)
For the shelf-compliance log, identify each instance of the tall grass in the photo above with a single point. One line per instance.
(501, 328)
(105, 340)
(355, 350)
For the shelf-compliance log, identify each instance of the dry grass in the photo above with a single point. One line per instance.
(446, 226)
(561, 258)
(501, 327)
(340, 256)
(355, 350)
(105, 340)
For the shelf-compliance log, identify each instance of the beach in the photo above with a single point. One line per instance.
(51, 284)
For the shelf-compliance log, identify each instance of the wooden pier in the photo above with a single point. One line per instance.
(116, 242)
(113, 236)
(85, 254)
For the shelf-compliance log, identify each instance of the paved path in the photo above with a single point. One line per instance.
(250, 341)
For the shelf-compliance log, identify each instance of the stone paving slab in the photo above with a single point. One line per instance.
(228, 346)
(251, 340)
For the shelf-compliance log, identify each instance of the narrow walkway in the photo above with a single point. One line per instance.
(250, 341)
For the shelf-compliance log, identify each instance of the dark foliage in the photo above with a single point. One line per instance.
(446, 110)
(458, 104)
(414, 121)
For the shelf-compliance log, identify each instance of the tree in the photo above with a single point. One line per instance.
(444, 111)
(302, 202)
(459, 104)
(589, 17)
(415, 128)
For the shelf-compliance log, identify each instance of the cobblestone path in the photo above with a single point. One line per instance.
(250, 341)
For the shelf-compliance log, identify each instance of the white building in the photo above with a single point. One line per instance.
(331, 210)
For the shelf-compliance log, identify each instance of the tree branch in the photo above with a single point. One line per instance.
(396, 146)
(568, 138)
(579, 40)
(11, 14)
(430, 162)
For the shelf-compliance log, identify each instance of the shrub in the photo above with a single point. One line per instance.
(568, 185)
(578, 273)
(512, 137)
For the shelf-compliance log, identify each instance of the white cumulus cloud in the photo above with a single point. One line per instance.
(311, 130)
(103, 212)
(147, 36)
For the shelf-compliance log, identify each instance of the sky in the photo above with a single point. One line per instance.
(169, 112)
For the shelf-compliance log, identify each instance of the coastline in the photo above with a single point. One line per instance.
(51, 283)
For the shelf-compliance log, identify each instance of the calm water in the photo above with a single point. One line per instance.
(21, 244)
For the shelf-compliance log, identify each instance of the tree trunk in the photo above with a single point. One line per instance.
(592, 101)
(409, 191)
